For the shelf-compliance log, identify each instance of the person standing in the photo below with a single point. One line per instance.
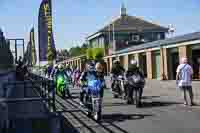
(184, 80)
(49, 70)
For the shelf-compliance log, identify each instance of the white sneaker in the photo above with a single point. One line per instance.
(81, 103)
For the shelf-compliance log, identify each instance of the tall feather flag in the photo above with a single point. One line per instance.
(47, 50)
(33, 50)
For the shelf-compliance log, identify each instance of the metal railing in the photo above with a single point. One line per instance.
(42, 87)
(46, 89)
(34, 89)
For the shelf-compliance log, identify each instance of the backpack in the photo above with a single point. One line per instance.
(181, 71)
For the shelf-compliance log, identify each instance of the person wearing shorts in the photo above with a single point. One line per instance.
(184, 80)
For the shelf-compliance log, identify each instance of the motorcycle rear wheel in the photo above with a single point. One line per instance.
(137, 98)
(115, 96)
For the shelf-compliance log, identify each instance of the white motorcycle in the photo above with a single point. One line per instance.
(118, 88)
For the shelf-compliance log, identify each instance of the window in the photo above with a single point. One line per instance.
(135, 38)
(159, 36)
(101, 42)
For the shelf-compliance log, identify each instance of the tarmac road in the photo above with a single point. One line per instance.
(162, 112)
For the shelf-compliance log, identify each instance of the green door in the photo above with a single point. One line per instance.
(157, 65)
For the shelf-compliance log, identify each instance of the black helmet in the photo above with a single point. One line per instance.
(116, 62)
(91, 66)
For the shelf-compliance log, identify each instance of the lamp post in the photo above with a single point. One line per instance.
(114, 43)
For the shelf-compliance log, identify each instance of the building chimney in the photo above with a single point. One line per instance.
(123, 10)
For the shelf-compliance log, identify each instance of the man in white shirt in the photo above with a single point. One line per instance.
(184, 79)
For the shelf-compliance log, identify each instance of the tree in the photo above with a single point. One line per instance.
(95, 53)
(64, 52)
(77, 51)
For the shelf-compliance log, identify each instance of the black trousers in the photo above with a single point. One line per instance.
(130, 92)
(82, 92)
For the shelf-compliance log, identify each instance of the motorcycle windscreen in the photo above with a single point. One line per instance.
(94, 86)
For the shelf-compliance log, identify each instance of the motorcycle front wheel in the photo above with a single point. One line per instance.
(115, 91)
(63, 94)
(137, 98)
(97, 116)
(89, 106)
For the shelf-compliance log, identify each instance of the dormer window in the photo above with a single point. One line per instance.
(136, 38)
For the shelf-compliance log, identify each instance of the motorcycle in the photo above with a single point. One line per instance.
(118, 88)
(62, 86)
(76, 78)
(69, 74)
(92, 99)
(135, 86)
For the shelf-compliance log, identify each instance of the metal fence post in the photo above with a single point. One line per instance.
(54, 96)
(24, 89)
(56, 124)
(4, 90)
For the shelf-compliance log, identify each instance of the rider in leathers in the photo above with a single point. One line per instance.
(69, 72)
(116, 71)
(92, 72)
(133, 69)
(60, 72)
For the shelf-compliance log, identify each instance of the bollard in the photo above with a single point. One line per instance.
(56, 124)
(23, 126)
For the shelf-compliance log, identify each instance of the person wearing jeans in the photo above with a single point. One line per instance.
(184, 79)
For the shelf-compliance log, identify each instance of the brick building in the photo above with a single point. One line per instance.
(125, 31)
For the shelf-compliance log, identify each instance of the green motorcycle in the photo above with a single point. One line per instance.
(62, 86)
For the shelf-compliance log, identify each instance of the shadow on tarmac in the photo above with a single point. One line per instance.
(122, 117)
(107, 122)
(150, 97)
(157, 104)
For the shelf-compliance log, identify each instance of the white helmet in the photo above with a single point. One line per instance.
(99, 67)
(134, 62)
(60, 66)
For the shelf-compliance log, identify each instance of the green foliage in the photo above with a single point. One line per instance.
(77, 51)
(95, 53)
(99, 53)
(63, 52)
(89, 54)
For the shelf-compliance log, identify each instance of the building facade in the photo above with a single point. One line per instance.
(129, 37)
(126, 31)
(158, 59)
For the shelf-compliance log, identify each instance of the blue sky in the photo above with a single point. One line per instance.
(73, 20)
